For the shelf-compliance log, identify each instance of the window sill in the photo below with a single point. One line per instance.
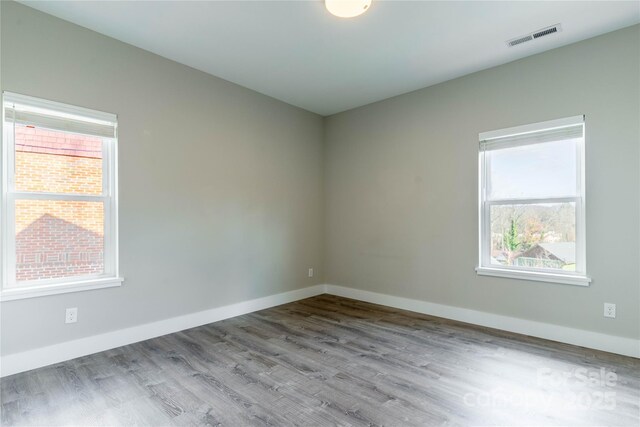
(54, 289)
(565, 279)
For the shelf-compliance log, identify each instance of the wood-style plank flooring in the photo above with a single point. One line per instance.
(331, 361)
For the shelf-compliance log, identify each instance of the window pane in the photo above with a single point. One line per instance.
(533, 171)
(534, 235)
(57, 162)
(58, 239)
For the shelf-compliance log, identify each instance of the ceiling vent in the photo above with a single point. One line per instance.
(535, 35)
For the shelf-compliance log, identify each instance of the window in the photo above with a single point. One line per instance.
(59, 198)
(532, 202)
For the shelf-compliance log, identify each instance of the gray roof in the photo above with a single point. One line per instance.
(564, 251)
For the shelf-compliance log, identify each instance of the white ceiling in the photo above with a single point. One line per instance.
(297, 52)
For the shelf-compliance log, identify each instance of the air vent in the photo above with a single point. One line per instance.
(545, 32)
(520, 40)
(535, 35)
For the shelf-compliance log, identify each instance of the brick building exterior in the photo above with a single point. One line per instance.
(58, 238)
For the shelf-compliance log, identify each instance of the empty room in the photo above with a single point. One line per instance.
(320, 213)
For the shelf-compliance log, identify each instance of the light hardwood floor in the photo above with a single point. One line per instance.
(331, 361)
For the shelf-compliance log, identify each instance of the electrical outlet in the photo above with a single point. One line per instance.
(311, 272)
(72, 315)
(609, 310)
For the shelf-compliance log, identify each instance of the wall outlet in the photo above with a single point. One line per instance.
(609, 310)
(72, 315)
(311, 272)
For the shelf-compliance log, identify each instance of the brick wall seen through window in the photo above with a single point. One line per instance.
(58, 238)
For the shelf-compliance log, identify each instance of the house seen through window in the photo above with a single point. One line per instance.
(59, 211)
(532, 199)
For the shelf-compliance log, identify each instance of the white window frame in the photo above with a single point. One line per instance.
(11, 290)
(579, 277)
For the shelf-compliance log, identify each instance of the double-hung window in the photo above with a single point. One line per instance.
(59, 198)
(532, 202)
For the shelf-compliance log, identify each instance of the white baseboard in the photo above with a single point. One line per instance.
(579, 337)
(32, 359)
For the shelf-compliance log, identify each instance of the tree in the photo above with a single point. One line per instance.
(534, 232)
(511, 240)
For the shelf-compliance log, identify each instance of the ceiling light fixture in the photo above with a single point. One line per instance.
(347, 8)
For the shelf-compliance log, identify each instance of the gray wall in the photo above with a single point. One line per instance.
(401, 185)
(222, 197)
(221, 189)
